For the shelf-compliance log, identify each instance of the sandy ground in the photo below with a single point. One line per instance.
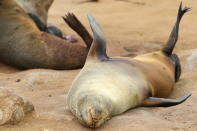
(131, 27)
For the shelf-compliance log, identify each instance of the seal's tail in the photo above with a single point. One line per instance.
(77, 26)
(174, 34)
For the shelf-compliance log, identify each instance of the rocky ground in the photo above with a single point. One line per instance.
(131, 27)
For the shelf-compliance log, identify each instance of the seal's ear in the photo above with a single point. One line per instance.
(174, 34)
(98, 48)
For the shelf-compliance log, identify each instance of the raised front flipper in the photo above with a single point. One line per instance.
(162, 102)
(174, 34)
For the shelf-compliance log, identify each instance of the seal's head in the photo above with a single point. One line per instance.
(93, 111)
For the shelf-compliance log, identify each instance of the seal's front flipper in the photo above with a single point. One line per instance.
(162, 102)
(41, 26)
(98, 48)
(175, 31)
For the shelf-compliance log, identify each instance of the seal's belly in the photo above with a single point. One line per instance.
(124, 92)
(126, 89)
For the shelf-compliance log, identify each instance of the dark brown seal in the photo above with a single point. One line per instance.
(23, 45)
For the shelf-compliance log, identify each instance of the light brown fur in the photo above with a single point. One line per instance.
(160, 71)
(119, 84)
(106, 86)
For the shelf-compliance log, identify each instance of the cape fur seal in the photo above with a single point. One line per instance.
(25, 46)
(110, 86)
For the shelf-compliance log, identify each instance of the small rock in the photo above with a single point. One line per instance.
(18, 80)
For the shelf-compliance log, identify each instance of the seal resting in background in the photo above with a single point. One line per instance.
(23, 45)
(110, 86)
(13, 108)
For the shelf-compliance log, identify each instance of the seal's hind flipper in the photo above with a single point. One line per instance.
(174, 34)
(162, 102)
(98, 49)
(41, 26)
(78, 27)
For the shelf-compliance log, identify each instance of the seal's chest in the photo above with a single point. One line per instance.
(120, 86)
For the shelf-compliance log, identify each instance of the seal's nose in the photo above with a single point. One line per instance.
(92, 117)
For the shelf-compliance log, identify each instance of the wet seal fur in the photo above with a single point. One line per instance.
(23, 45)
(106, 87)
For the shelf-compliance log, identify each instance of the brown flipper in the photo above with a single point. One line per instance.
(174, 34)
(38, 22)
(98, 48)
(162, 102)
(78, 27)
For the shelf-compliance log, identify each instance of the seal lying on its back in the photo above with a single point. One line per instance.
(23, 45)
(110, 86)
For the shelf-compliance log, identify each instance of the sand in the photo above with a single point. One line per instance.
(131, 27)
